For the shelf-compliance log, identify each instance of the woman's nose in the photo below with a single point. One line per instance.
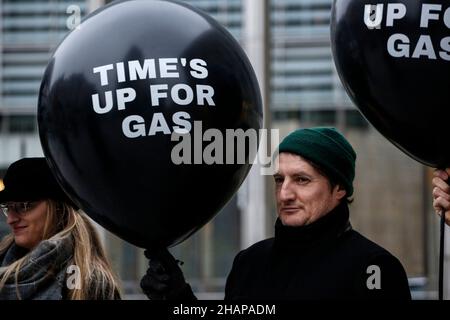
(12, 217)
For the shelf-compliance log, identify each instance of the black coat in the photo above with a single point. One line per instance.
(323, 260)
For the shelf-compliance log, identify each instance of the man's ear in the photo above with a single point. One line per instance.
(340, 191)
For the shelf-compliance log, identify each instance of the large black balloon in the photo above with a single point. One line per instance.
(404, 95)
(130, 185)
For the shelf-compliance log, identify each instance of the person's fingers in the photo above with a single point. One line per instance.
(439, 193)
(441, 204)
(161, 277)
(150, 284)
(162, 262)
(436, 192)
(156, 266)
(438, 182)
(168, 261)
(440, 174)
(447, 170)
(163, 256)
(437, 205)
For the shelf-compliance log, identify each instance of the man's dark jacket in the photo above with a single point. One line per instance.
(323, 260)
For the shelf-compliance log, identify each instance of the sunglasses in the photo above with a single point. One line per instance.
(20, 208)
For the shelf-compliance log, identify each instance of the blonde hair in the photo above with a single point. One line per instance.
(98, 281)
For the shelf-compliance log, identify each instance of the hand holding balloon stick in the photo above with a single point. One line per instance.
(394, 60)
(164, 279)
(441, 193)
(441, 203)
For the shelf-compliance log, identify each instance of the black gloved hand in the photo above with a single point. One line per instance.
(164, 279)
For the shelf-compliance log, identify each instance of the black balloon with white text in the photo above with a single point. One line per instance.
(394, 60)
(122, 92)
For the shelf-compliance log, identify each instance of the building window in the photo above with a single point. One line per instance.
(21, 124)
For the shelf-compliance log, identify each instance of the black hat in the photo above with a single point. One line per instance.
(30, 179)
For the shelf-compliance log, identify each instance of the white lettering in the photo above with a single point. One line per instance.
(166, 65)
(447, 18)
(175, 93)
(103, 70)
(205, 93)
(427, 15)
(445, 45)
(182, 125)
(158, 124)
(148, 70)
(156, 94)
(125, 95)
(199, 69)
(395, 11)
(424, 48)
(398, 45)
(120, 72)
(133, 127)
(96, 103)
(373, 20)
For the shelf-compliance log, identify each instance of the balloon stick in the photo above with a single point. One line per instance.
(441, 256)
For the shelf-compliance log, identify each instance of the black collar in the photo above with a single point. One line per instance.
(328, 228)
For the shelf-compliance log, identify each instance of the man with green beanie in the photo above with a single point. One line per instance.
(315, 253)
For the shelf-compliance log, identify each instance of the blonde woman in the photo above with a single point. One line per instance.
(53, 250)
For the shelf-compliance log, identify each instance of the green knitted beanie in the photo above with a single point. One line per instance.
(326, 147)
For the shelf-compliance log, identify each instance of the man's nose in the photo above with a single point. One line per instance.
(286, 192)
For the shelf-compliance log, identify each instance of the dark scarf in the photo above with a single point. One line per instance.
(326, 229)
(42, 275)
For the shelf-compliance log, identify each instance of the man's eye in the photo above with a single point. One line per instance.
(278, 180)
(302, 180)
